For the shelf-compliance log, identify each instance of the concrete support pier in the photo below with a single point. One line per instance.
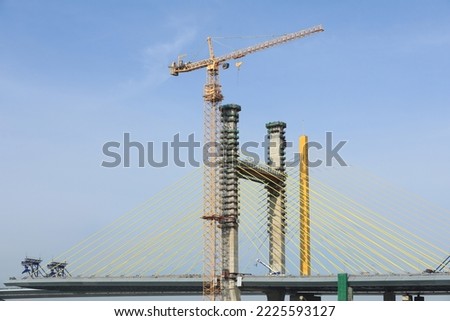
(229, 141)
(277, 196)
(388, 296)
(275, 295)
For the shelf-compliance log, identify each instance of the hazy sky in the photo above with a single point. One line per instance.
(77, 74)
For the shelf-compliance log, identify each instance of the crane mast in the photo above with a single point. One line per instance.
(215, 247)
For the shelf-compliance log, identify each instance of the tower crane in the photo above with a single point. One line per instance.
(216, 276)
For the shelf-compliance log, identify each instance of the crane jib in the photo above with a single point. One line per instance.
(181, 66)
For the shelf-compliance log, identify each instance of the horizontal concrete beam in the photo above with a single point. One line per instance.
(259, 173)
(424, 284)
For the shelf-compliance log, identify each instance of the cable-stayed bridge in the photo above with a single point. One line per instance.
(383, 237)
(334, 231)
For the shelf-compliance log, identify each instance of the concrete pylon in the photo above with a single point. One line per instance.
(277, 196)
(229, 141)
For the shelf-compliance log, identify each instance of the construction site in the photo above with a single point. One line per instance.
(110, 266)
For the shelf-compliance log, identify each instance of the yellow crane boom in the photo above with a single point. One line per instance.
(180, 66)
(217, 284)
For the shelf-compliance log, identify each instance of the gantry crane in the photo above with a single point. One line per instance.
(213, 277)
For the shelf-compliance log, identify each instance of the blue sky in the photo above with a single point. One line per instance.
(76, 74)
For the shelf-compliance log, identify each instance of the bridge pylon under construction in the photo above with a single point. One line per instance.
(273, 176)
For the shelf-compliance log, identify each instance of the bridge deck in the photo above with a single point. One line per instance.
(438, 283)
